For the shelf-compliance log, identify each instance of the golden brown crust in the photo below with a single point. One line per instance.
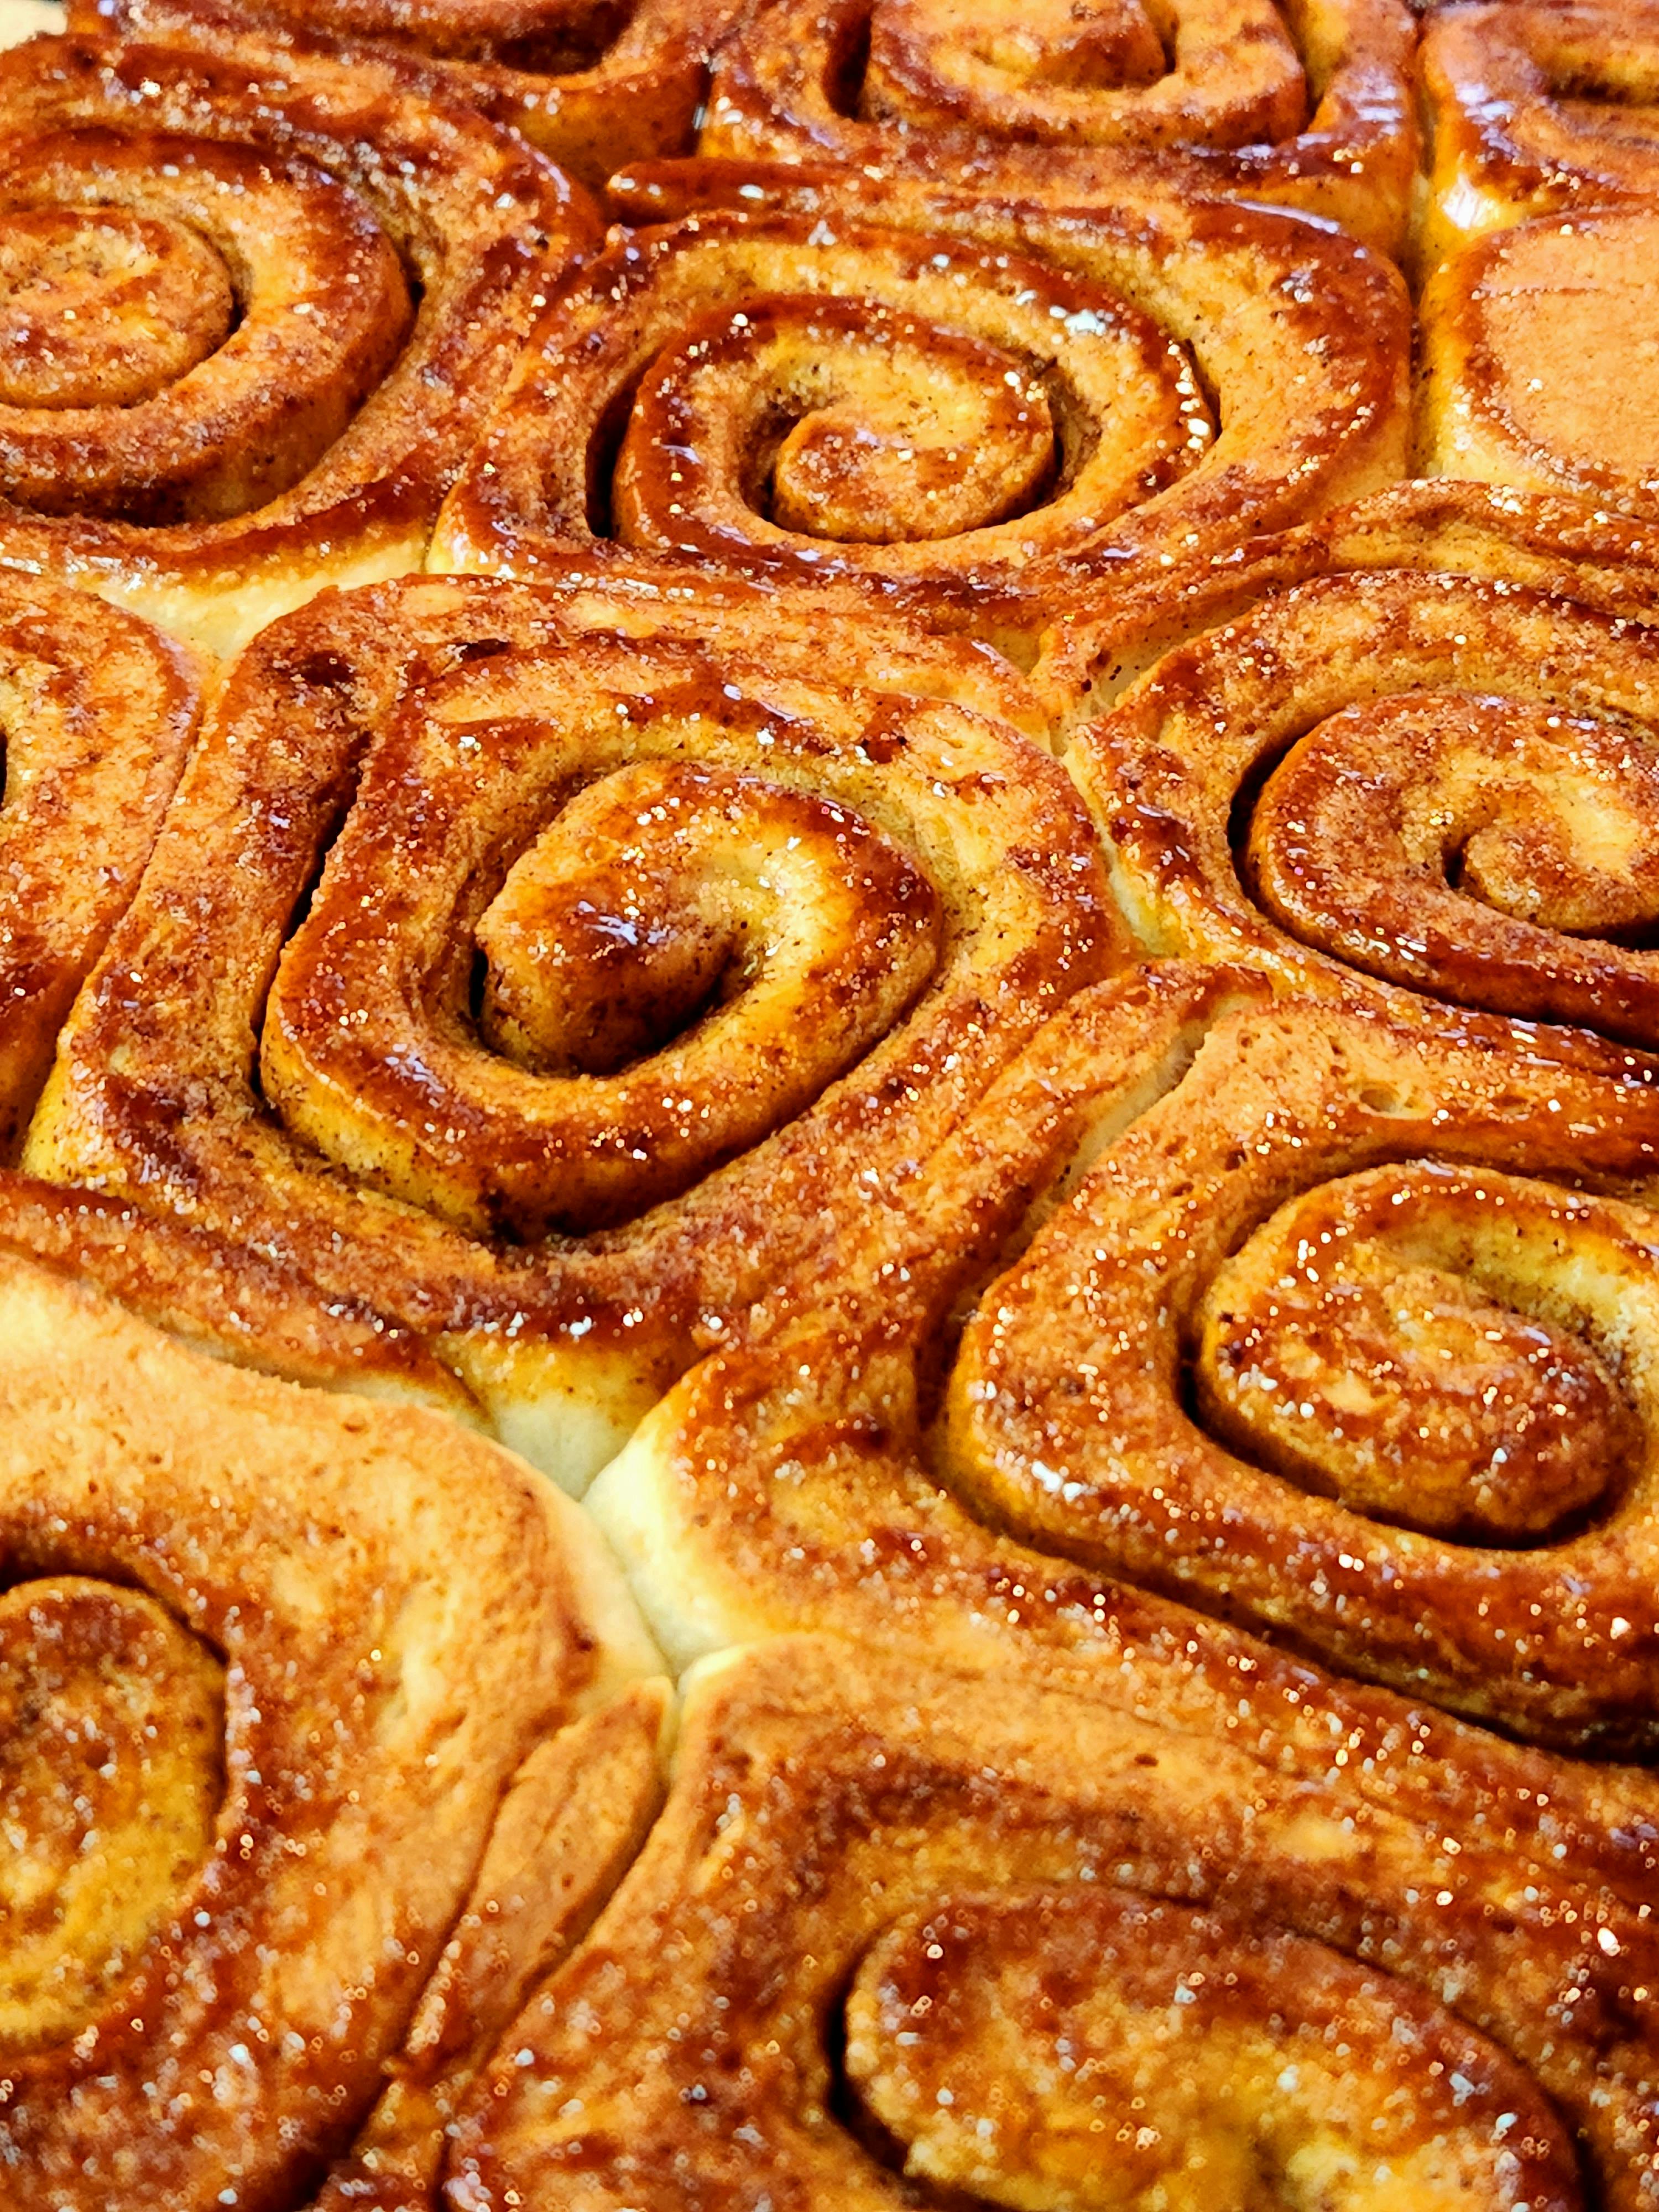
(313, 418)
(401, 1619)
(96, 711)
(589, 83)
(1428, 776)
(1308, 105)
(1465, 1302)
(253, 1308)
(1535, 108)
(425, 738)
(1537, 239)
(1048, 1884)
(1557, 546)
(1508, 325)
(1438, 1310)
(575, 1816)
(111, 1758)
(1016, 332)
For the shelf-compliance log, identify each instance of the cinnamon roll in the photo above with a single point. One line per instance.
(273, 1666)
(554, 994)
(898, 1936)
(1308, 105)
(592, 84)
(968, 416)
(1509, 324)
(1539, 236)
(96, 711)
(1396, 780)
(1537, 109)
(252, 305)
(1333, 1325)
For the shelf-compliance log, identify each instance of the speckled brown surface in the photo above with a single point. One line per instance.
(373, 1620)
(235, 511)
(96, 713)
(416, 739)
(591, 85)
(837, 1841)
(713, 1000)
(1145, 326)
(1309, 106)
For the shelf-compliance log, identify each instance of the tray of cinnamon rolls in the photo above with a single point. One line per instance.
(829, 1105)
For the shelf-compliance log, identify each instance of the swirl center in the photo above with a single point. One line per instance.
(101, 307)
(857, 423)
(672, 968)
(110, 1776)
(1495, 851)
(875, 466)
(1365, 1344)
(662, 894)
(1099, 2050)
(1220, 72)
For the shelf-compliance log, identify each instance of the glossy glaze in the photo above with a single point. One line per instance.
(725, 350)
(420, 741)
(313, 445)
(312, 1642)
(991, 1895)
(591, 83)
(96, 712)
(1307, 104)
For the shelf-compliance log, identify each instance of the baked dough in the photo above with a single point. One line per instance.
(293, 287)
(592, 85)
(1308, 105)
(1400, 781)
(96, 712)
(618, 833)
(271, 1662)
(984, 409)
(1196, 1939)
(1297, 1313)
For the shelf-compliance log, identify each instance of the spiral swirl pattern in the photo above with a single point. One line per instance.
(229, 1878)
(638, 978)
(112, 1770)
(593, 83)
(1309, 106)
(970, 425)
(1389, 783)
(1420, 1437)
(96, 710)
(889, 1936)
(1298, 1314)
(252, 308)
(1163, 2030)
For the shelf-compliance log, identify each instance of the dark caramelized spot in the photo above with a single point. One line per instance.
(608, 983)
